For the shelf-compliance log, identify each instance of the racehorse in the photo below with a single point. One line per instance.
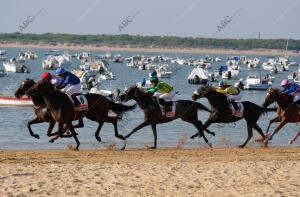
(186, 110)
(285, 114)
(221, 112)
(62, 108)
(40, 109)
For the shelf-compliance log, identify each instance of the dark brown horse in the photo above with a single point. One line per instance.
(62, 109)
(221, 112)
(40, 109)
(186, 110)
(285, 113)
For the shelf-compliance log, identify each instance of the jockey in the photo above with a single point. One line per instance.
(233, 93)
(291, 88)
(71, 83)
(56, 81)
(162, 91)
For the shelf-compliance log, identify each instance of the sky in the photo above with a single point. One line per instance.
(184, 18)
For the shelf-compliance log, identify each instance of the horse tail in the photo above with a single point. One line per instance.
(119, 107)
(266, 110)
(201, 107)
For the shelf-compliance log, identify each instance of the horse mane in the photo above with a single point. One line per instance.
(281, 93)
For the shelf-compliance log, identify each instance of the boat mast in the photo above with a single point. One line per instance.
(287, 44)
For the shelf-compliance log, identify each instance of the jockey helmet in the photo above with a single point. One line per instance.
(46, 75)
(154, 79)
(60, 71)
(285, 82)
(222, 83)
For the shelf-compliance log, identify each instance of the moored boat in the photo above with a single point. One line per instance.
(8, 100)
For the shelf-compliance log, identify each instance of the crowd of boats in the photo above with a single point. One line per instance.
(93, 69)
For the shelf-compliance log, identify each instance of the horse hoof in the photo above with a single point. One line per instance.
(213, 134)
(153, 147)
(121, 137)
(52, 140)
(291, 142)
(241, 146)
(37, 136)
(210, 145)
(192, 137)
(98, 139)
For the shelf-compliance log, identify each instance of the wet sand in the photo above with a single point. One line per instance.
(273, 171)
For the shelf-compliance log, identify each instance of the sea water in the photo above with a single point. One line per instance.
(14, 133)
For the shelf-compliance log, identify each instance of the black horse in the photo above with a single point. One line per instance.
(221, 112)
(186, 110)
(62, 108)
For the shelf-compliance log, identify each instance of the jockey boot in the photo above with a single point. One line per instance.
(165, 104)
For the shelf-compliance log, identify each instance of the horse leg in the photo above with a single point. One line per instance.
(34, 121)
(80, 124)
(199, 127)
(114, 121)
(206, 125)
(282, 123)
(50, 128)
(98, 131)
(70, 126)
(153, 126)
(143, 124)
(276, 119)
(258, 129)
(294, 138)
(250, 134)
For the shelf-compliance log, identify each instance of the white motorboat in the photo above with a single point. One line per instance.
(31, 55)
(83, 55)
(161, 71)
(254, 82)
(53, 62)
(50, 63)
(16, 67)
(230, 74)
(198, 76)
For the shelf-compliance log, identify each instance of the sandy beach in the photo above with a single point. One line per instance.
(139, 172)
(66, 46)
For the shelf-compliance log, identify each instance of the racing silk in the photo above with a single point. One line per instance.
(294, 89)
(71, 79)
(56, 81)
(161, 87)
(230, 90)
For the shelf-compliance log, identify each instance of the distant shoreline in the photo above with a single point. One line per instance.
(66, 46)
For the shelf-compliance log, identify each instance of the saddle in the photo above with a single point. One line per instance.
(239, 112)
(80, 102)
(167, 108)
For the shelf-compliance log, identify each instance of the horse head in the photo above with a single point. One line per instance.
(202, 91)
(270, 97)
(42, 87)
(25, 85)
(129, 94)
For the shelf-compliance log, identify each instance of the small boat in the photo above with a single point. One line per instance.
(230, 74)
(254, 82)
(8, 100)
(52, 52)
(16, 67)
(2, 58)
(198, 76)
(31, 55)
(2, 52)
